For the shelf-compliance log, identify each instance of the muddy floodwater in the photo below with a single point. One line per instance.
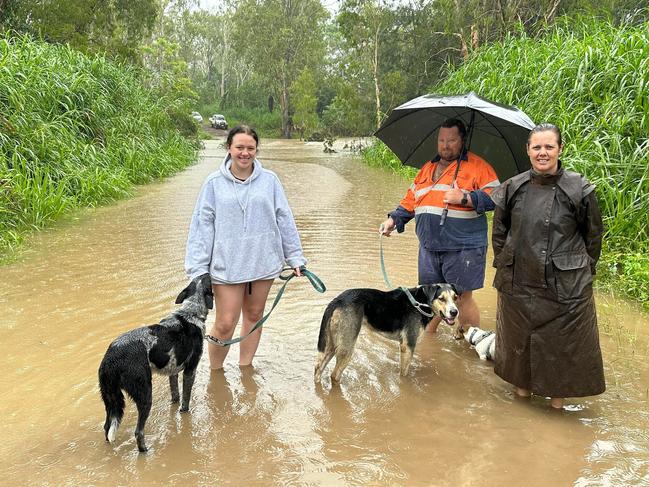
(450, 422)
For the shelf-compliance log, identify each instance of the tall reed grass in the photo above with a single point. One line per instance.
(590, 78)
(75, 132)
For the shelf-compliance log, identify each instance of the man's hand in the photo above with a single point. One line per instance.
(454, 195)
(387, 227)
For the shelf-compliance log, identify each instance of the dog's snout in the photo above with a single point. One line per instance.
(454, 312)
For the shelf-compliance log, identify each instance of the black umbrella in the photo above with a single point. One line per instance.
(495, 132)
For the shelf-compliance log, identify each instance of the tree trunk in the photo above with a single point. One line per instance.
(377, 89)
(224, 59)
(475, 37)
(283, 103)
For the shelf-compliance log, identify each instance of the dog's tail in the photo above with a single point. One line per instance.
(326, 317)
(113, 398)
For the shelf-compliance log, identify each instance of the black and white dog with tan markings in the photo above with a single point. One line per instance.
(389, 313)
(172, 346)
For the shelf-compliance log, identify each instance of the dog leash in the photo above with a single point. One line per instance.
(315, 281)
(418, 306)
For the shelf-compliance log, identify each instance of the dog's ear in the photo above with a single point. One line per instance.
(185, 293)
(432, 291)
(458, 289)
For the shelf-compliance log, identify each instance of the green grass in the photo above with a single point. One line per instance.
(76, 131)
(590, 78)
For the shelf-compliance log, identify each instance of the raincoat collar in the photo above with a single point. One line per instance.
(542, 179)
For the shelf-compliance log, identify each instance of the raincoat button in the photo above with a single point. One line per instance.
(543, 251)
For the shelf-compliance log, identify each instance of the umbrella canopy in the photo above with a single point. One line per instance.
(495, 132)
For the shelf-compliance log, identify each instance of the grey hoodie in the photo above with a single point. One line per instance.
(242, 231)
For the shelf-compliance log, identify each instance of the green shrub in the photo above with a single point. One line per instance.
(76, 131)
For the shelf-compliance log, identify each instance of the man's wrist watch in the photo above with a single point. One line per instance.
(465, 198)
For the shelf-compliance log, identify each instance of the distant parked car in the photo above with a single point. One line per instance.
(218, 121)
(197, 116)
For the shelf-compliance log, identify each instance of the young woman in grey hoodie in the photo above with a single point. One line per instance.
(242, 233)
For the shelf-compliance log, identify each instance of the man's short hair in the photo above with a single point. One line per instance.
(455, 122)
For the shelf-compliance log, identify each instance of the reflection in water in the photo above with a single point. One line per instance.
(450, 422)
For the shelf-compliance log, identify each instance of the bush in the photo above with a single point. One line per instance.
(76, 131)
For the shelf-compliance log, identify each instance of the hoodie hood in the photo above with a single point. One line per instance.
(225, 170)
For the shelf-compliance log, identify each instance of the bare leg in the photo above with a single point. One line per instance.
(468, 308)
(433, 324)
(253, 311)
(228, 302)
(469, 314)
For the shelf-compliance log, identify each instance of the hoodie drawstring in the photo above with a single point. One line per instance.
(244, 207)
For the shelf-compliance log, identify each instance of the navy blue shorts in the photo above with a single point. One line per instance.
(464, 268)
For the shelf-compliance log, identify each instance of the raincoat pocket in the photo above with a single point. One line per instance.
(572, 275)
(504, 262)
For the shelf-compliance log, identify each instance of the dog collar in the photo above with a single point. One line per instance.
(481, 338)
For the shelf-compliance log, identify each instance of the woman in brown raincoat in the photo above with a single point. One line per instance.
(547, 237)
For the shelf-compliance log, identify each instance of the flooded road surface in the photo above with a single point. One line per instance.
(450, 422)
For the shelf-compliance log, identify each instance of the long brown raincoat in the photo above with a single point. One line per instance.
(547, 236)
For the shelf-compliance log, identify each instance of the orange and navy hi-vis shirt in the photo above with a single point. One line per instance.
(465, 227)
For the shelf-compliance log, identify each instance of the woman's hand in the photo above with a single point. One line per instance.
(297, 271)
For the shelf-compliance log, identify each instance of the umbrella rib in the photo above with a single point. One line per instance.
(423, 139)
(502, 136)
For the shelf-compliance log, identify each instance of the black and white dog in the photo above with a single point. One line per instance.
(483, 341)
(389, 313)
(173, 345)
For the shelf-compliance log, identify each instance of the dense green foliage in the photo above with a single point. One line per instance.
(591, 79)
(91, 26)
(329, 68)
(76, 131)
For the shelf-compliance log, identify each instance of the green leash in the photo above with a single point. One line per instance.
(315, 281)
(418, 306)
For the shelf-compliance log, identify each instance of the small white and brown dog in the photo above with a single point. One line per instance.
(483, 341)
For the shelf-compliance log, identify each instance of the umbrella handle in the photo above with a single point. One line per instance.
(444, 213)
